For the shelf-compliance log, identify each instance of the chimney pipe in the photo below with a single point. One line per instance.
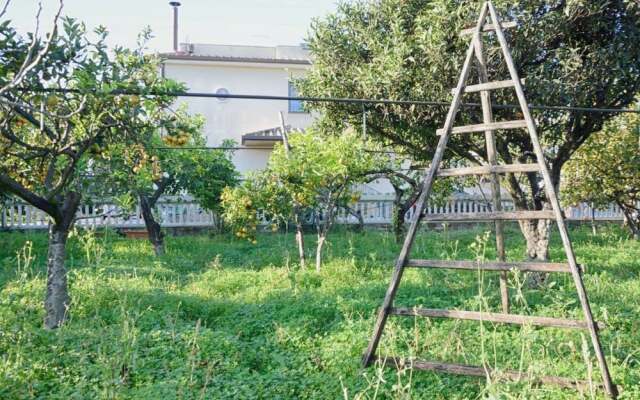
(175, 5)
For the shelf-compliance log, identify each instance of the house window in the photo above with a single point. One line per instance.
(295, 106)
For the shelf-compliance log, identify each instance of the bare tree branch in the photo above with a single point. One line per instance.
(4, 8)
(17, 104)
(31, 61)
(6, 131)
(32, 119)
(162, 185)
(384, 173)
(17, 189)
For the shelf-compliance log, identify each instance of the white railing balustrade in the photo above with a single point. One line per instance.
(170, 213)
(184, 212)
(584, 212)
(378, 209)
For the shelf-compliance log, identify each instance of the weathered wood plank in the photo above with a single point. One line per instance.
(493, 126)
(611, 390)
(492, 317)
(490, 140)
(490, 216)
(526, 266)
(489, 28)
(426, 185)
(462, 369)
(481, 87)
(489, 169)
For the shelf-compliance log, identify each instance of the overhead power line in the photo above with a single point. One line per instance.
(340, 100)
(234, 148)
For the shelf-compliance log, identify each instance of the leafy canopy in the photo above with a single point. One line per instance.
(570, 53)
(606, 169)
(165, 163)
(319, 171)
(53, 145)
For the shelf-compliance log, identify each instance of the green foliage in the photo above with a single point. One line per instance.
(72, 145)
(220, 318)
(52, 145)
(606, 169)
(570, 53)
(164, 163)
(205, 174)
(318, 173)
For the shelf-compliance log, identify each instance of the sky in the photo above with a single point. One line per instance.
(240, 22)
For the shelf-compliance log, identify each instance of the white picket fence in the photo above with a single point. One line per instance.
(375, 209)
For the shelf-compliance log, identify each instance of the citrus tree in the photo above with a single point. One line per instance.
(606, 169)
(52, 142)
(405, 176)
(570, 53)
(171, 161)
(317, 173)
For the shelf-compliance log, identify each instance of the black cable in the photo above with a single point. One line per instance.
(212, 148)
(196, 148)
(342, 100)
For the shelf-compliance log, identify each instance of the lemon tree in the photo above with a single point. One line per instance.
(308, 183)
(606, 170)
(52, 143)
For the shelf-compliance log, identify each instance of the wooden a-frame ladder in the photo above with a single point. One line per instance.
(497, 215)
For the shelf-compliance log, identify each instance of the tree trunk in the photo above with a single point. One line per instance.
(3, 216)
(360, 226)
(56, 303)
(300, 242)
(400, 207)
(156, 236)
(356, 213)
(536, 234)
(594, 230)
(321, 240)
(630, 222)
(397, 220)
(324, 226)
(57, 300)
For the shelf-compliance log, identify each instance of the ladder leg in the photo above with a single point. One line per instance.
(426, 186)
(611, 389)
(487, 115)
(427, 183)
(551, 194)
(381, 321)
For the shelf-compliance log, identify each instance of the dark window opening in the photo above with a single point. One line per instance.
(295, 106)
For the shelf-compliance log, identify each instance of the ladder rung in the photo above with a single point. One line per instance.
(492, 126)
(491, 266)
(491, 216)
(462, 369)
(491, 317)
(489, 27)
(488, 86)
(489, 169)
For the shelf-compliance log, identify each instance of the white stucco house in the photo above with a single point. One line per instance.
(253, 124)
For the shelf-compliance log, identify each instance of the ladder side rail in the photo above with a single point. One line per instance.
(553, 199)
(427, 183)
(490, 139)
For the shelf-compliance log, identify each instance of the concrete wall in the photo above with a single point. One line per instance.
(231, 118)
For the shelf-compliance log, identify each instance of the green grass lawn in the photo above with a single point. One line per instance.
(220, 318)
